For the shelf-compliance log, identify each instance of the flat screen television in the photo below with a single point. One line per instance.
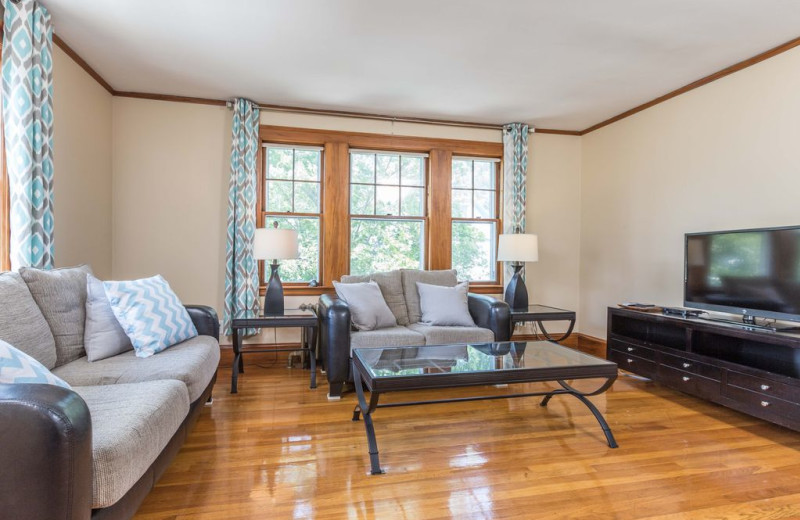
(749, 272)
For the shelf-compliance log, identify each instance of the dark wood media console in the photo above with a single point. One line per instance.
(755, 372)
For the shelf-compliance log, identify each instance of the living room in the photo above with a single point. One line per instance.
(698, 109)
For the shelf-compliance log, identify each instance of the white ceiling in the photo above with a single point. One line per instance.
(563, 64)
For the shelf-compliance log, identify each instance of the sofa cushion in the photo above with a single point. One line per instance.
(410, 277)
(368, 309)
(443, 335)
(22, 323)
(131, 425)
(18, 367)
(444, 305)
(193, 361)
(61, 296)
(391, 337)
(103, 336)
(391, 286)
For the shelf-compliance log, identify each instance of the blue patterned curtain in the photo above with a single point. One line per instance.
(241, 268)
(28, 122)
(515, 172)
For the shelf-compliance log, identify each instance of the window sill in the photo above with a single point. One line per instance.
(486, 289)
(300, 290)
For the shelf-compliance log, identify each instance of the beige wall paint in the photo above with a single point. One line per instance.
(170, 164)
(724, 156)
(82, 167)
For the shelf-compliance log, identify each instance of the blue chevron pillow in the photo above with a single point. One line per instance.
(150, 313)
(18, 367)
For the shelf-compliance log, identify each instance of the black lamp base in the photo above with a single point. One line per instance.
(273, 300)
(516, 292)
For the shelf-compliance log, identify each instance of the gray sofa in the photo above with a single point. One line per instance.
(94, 451)
(399, 289)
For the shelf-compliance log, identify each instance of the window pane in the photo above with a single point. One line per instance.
(474, 250)
(462, 204)
(306, 197)
(362, 167)
(279, 163)
(462, 174)
(387, 169)
(387, 200)
(411, 202)
(279, 196)
(305, 268)
(484, 175)
(484, 204)
(362, 199)
(306, 165)
(411, 171)
(383, 245)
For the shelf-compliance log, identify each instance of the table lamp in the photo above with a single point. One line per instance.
(517, 248)
(276, 244)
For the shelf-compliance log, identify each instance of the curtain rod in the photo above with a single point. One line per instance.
(375, 117)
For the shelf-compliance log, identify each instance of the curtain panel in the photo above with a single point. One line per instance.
(515, 172)
(241, 268)
(27, 83)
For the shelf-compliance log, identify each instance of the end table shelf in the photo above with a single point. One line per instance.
(304, 318)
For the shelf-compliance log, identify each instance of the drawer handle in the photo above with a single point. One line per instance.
(687, 365)
(765, 387)
(629, 360)
(685, 378)
(764, 403)
(630, 349)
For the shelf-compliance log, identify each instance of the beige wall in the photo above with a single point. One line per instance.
(724, 156)
(82, 167)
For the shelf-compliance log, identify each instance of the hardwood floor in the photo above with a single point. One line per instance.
(280, 450)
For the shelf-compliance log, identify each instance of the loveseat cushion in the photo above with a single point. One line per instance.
(410, 277)
(22, 323)
(444, 335)
(193, 362)
(391, 286)
(61, 296)
(389, 337)
(131, 425)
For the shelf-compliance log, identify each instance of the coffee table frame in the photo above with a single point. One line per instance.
(561, 375)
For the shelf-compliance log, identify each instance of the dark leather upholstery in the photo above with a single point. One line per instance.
(205, 319)
(334, 326)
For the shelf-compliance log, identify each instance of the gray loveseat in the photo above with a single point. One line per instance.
(399, 289)
(94, 451)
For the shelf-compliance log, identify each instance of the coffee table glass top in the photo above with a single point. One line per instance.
(472, 358)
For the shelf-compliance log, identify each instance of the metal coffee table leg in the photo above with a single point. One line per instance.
(366, 411)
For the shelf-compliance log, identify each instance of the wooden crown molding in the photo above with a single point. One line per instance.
(342, 113)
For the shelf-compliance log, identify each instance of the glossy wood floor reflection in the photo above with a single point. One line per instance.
(280, 450)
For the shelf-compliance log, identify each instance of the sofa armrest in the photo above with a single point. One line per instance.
(334, 329)
(205, 319)
(46, 455)
(491, 313)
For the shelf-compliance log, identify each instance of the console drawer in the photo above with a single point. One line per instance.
(688, 382)
(761, 405)
(689, 365)
(764, 386)
(632, 349)
(631, 363)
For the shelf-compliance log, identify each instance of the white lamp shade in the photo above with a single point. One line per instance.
(278, 244)
(518, 248)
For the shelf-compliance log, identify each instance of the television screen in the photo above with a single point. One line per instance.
(754, 272)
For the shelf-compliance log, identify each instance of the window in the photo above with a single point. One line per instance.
(387, 211)
(292, 195)
(474, 218)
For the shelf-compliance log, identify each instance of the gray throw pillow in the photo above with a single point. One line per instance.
(103, 336)
(445, 305)
(410, 277)
(368, 309)
(61, 296)
(22, 323)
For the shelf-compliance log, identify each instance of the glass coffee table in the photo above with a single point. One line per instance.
(394, 369)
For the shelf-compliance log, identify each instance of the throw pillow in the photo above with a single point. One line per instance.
(445, 305)
(61, 296)
(102, 337)
(410, 277)
(368, 309)
(150, 313)
(18, 367)
(22, 323)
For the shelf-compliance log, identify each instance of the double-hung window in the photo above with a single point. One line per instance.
(292, 198)
(475, 219)
(387, 211)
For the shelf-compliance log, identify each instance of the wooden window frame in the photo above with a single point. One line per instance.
(335, 209)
